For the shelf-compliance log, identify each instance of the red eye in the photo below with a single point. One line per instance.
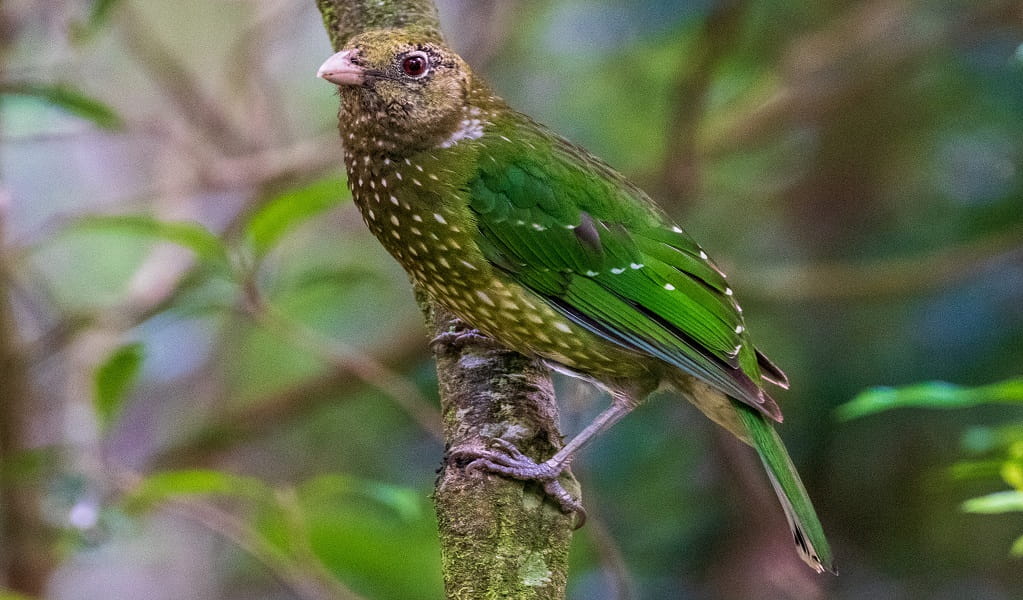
(415, 65)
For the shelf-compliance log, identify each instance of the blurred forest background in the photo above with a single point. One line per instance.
(214, 384)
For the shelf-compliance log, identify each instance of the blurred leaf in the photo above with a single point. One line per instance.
(101, 10)
(979, 440)
(328, 489)
(5, 595)
(976, 469)
(113, 380)
(291, 208)
(194, 482)
(99, 15)
(189, 234)
(70, 100)
(1017, 547)
(335, 278)
(1012, 473)
(998, 502)
(357, 527)
(934, 394)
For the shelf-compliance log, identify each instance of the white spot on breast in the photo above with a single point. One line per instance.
(669, 287)
(415, 230)
(562, 326)
(394, 219)
(394, 200)
(677, 229)
(468, 264)
(468, 129)
(440, 218)
(417, 218)
(484, 297)
(739, 329)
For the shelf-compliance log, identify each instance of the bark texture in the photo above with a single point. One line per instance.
(499, 538)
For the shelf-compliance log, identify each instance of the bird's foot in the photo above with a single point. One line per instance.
(504, 458)
(460, 338)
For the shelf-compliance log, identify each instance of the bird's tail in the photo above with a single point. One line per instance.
(806, 527)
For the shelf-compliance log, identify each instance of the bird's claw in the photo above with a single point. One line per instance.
(460, 338)
(504, 458)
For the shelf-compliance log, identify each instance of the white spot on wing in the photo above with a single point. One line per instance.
(669, 287)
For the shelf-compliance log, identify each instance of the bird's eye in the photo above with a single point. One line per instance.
(415, 65)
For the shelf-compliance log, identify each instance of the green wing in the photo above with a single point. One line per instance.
(565, 225)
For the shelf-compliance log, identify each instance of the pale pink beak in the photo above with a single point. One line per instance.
(340, 70)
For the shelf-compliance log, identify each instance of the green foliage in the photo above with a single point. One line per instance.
(374, 522)
(6, 595)
(936, 394)
(1005, 443)
(114, 378)
(998, 502)
(70, 100)
(99, 15)
(167, 485)
(291, 208)
(195, 237)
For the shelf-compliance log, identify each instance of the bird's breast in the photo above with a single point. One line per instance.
(418, 212)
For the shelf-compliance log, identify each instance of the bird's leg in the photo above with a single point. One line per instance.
(505, 459)
(459, 336)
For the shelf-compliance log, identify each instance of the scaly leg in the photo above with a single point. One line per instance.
(505, 459)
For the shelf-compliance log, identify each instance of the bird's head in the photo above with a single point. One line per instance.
(399, 85)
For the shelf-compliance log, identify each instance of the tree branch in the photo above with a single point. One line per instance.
(499, 538)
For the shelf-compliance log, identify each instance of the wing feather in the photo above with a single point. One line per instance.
(569, 228)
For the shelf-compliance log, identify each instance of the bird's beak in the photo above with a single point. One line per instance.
(340, 70)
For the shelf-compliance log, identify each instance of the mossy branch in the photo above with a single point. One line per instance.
(499, 538)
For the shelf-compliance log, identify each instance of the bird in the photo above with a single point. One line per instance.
(546, 249)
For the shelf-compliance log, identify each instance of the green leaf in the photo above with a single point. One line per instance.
(934, 394)
(99, 15)
(189, 234)
(69, 100)
(1017, 548)
(113, 380)
(998, 502)
(328, 489)
(101, 10)
(167, 485)
(6, 595)
(288, 210)
(976, 469)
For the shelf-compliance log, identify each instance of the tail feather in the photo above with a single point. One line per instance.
(806, 528)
